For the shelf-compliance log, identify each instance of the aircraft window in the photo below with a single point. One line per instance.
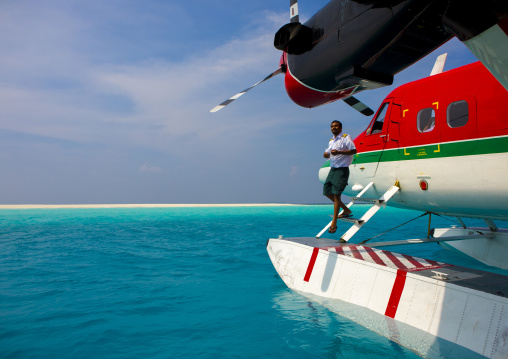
(457, 114)
(380, 119)
(426, 120)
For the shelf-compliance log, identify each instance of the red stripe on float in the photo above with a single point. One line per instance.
(434, 263)
(398, 287)
(355, 252)
(339, 249)
(428, 267)
(413, 261)
(395, 260)
(374, 256)
(311, 264)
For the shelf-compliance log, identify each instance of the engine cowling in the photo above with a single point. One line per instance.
(293, 38)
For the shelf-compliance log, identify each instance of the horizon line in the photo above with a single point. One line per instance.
(146, 205)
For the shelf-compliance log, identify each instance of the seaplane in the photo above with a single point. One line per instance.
(438, 145)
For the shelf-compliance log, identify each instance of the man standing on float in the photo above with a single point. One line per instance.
(340, 151)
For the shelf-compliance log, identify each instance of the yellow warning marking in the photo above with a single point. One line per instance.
(438, 148)
(406, 153)
(404, 113)
(436, 104)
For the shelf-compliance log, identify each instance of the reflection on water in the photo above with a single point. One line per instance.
(344, 338)
(308, 308)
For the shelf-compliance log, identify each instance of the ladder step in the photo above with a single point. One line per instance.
(349, 205)
(368, 215)
(368, 200)
(351, 220)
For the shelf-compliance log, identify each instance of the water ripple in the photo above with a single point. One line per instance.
(168, 283)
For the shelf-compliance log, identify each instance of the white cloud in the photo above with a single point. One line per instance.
(148, 168)
(128, 98)
(56, 90)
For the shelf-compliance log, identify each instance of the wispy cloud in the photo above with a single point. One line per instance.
(148, 168)
(55, 88)
(91, 90)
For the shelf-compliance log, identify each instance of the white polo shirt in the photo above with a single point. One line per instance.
(341, 143)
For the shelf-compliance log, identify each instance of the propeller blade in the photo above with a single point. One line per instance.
(231, 99)
(358, 106)
(293, 11)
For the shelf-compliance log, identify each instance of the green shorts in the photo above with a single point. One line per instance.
(336, 181)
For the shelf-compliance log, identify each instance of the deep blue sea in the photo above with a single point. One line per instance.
(177, 283)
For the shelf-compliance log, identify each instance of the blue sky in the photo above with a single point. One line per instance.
(108, 102)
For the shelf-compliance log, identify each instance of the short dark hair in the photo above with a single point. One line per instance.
(340, 123)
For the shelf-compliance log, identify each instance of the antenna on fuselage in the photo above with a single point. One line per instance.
(439, 65)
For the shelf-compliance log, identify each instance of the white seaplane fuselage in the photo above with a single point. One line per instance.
(444, 140)
(462, 157)
(437, 145)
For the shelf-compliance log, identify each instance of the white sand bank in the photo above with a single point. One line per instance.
(52, 206)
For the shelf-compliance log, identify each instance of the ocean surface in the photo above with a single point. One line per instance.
(178, 283)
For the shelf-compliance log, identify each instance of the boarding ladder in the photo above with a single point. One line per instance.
(359, 223)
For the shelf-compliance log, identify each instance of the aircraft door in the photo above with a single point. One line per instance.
(375, 140)
(394, 134)
(391, 154)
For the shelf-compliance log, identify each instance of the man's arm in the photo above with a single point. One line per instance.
(346, 152)
(350, 145)
(328, 150)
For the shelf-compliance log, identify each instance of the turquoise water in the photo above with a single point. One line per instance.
(176, 283)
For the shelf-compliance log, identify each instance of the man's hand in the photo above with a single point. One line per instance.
(326, 155)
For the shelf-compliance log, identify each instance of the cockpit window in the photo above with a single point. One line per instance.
(377, 125)
(457, 114)
(426, 120)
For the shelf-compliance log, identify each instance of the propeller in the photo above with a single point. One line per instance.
(294, 18)
(358, 106)
(232, 98)
(294, 38)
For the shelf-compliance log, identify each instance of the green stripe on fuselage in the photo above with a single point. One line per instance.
(447, 149)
